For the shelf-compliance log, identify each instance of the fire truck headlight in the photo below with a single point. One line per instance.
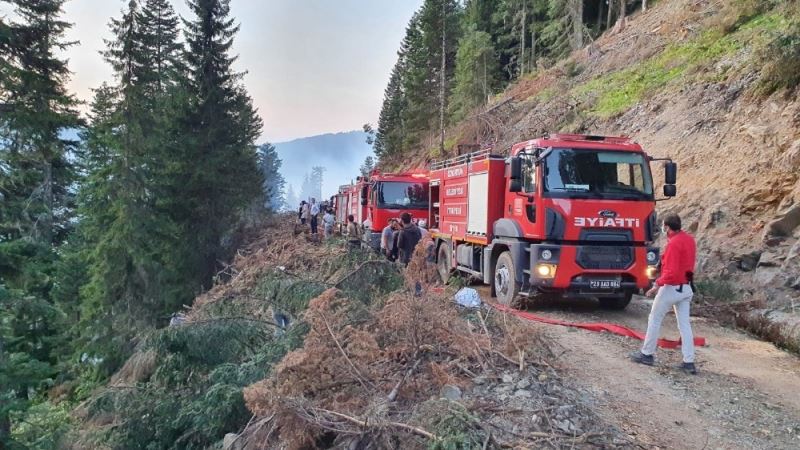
(546, 270)
(651, 272)
(651, 257)
(546, 255)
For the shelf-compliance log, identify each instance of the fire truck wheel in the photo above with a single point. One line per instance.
(443, 263)
(617, 303)
(505, 280)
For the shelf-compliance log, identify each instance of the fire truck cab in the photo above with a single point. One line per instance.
(388, 195)
(565, 215)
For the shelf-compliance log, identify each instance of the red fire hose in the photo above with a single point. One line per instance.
(594, 326)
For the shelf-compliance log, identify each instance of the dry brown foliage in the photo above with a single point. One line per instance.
(294, 253)
(137, 368)
(360, 373)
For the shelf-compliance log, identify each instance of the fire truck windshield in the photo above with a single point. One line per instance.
(579, 173)
(402, 195)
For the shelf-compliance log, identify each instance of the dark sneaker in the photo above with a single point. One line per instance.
(688, 368)
(641, 358)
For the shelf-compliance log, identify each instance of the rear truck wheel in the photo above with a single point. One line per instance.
(506, 286)
(443, 263)
(616, 303)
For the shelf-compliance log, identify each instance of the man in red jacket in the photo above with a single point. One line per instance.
(673, 290)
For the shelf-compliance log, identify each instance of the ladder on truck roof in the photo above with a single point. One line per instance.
(466, 158)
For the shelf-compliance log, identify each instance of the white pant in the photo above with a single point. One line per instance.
(669, 297)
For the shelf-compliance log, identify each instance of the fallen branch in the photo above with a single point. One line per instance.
(393, 395)
(358, 375)
(363, 423)
(500, 354)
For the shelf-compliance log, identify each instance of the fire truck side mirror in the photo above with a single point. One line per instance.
(364, 195)
(670, 190)
(516, 169)
(670, 173)
(515, 186)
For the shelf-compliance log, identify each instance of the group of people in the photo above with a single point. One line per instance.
(309, 213)
(400, 237)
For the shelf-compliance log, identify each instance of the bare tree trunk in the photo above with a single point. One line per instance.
(644, 5)
(576, 11)
(610, 13)
(485, 80)
(522, 39)
(600, 15)
(47, 226)
(443, 78)
(533, 47)
(5, 420)
(621, 19)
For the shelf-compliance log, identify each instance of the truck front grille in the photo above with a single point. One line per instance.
(607, 250)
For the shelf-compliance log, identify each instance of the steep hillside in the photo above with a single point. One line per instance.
(702, 82)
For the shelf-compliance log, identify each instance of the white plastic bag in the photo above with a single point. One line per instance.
(468, 298)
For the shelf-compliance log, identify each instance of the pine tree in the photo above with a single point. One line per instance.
(159, 31)
(292, 201)
(315, 181)
(391, 130)
(476, 72)
(367, 166)
(270, 165)
(134, 261)
(438, 20)
(35, 198)
(216, 174)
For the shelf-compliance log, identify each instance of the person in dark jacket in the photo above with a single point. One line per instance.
(408, 238)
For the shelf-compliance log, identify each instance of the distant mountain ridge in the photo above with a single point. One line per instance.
(340, 153)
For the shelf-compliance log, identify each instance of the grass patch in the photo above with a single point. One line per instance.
(619, 91)
(781, 54)
(545, 95)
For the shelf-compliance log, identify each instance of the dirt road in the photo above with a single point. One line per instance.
(747, 394)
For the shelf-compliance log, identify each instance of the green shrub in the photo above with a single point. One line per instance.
(194, 396)
(717, 289)
(782, 56)
(42, 426)
(455, 426)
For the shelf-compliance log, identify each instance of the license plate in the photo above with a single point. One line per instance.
(604, 284)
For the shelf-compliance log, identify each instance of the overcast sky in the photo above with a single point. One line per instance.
(313, 66)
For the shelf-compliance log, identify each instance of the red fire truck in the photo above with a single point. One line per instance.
(567, 215)
(388, 195)
(341, 203)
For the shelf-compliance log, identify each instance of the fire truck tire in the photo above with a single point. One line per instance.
(505, 281)
(617, 303)
(443, 264)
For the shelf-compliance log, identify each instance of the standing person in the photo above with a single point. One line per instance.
(303, 212)
(387, 243)
(408, 238)
(327, 223)
(353, 233)
(673, 289)
(314, 211)
(423, 228)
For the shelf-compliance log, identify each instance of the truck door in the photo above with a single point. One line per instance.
(524, 193)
